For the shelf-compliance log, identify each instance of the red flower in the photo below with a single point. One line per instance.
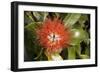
(53, 35)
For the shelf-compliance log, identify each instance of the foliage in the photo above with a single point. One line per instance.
(78, 23)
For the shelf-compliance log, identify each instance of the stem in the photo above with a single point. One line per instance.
(71, 53)
(39, 54)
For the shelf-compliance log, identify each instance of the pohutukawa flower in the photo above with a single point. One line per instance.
(53, 35)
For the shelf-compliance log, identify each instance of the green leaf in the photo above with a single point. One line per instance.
(87, 51)
(83, 19)
(37, 15)
(86, 47)
(62, 16)
(71, 53)
(30, 26)
(78, 49)
(84, 56)
(32, 46)
(39, 54)
(57, 14)
(71, 19)
(45, 14)
(40, 16)
(28, 18)
(29, 15)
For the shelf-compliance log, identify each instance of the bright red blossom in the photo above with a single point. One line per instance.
(53, 35)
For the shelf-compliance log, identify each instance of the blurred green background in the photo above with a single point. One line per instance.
(79, 23)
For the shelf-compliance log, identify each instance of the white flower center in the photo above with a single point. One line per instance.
(53, 37)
